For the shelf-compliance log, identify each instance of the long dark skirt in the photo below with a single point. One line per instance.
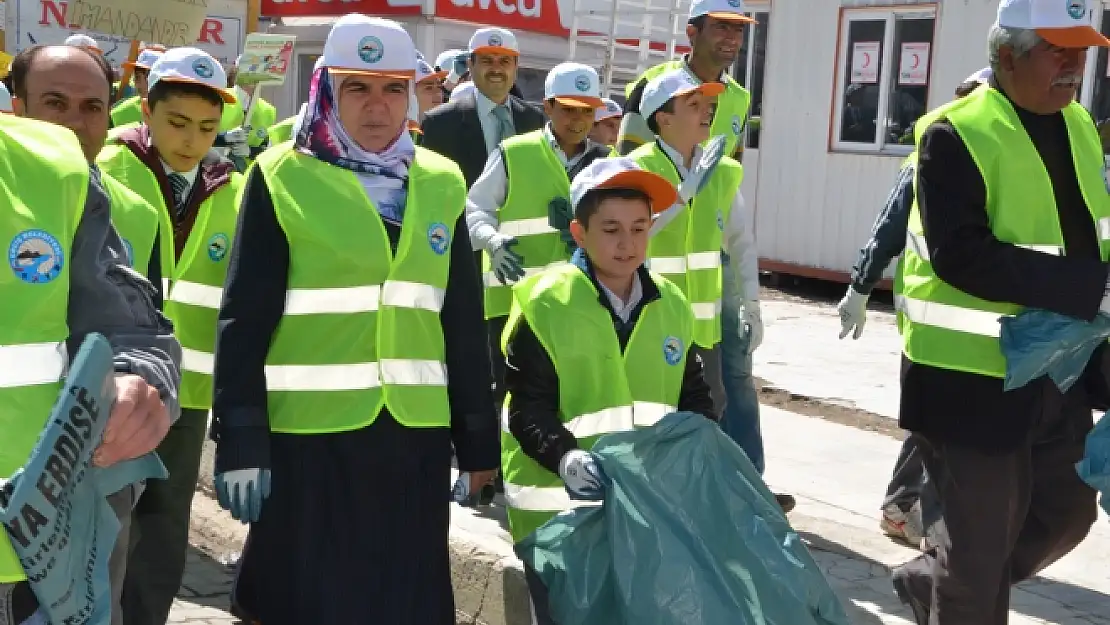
(354, 531)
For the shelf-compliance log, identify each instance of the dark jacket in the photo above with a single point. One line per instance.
(254, 300)
(533, 383)
(973, 410)
(214, 172)
(454, 130)
(888, 234)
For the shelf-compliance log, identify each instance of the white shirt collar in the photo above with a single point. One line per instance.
(486, 105)
(678, 159)
(624, 309)
(190, 176)
(686, 62)
(554, 143)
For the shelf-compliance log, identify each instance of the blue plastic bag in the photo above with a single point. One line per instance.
(1039, 342)
(1094, 468)
(688, 535)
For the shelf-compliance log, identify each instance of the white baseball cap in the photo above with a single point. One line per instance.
(609, 109)
(494, 40)
(573, 84)
(981, 76)
(147, 58)
(677, 82)
(447, 58)
(461, 90)
(623, 173)
(83, 41)
(371, 46)
(728, 10)
(193, 66)
(5, 99)
(1062, 23)
(425, 71)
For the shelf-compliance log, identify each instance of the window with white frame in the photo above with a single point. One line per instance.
(750, 64)
(1095, 92)
(883, 77)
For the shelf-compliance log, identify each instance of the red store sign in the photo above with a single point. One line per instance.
(304, 8)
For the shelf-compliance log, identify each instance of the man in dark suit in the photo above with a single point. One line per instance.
(468, 129)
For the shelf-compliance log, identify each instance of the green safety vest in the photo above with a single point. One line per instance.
(688, 250)
(535, 177)
(361, 328)
(129, 111)
(139, 219)
(44, 179)
(264, 116)
(732, 105)
(192, 284)
(601, 389)
(282, 131)
(945, 327)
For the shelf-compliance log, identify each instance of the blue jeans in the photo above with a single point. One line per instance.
(740, 420)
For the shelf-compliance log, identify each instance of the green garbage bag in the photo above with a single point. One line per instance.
(688, 535)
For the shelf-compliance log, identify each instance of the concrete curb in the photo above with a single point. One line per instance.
(487, 577)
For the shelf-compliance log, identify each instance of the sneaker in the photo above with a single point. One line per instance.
(902, 589)
(904, 525)
(786, 502)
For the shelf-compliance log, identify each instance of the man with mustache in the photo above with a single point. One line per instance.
(1011, 212)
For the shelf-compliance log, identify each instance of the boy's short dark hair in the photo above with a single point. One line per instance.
(668, 107)
(164, 89)
(591, 202)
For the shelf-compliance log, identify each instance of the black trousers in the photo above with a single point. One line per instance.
(495, 327)
(1005, 518)
(910, 484)
(538, 591)
(160, 525)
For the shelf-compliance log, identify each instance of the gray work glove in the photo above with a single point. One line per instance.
(507, 265)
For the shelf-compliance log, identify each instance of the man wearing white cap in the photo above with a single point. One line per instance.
(83, 41)
(1011, 213)
(350, 356)
(689, 251)
(909, 507)
(525, 188)
(429, 87)
(169, 161)
(130, 111)
(469, 128)
(716, 32)
(607, 123)
(454, 62)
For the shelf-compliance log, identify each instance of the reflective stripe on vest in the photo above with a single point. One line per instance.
(688, 250)
(367, 336)
(46, 180)
(944, 327)
(535, 176)
(731, 111)
(199, 273)
(601, 389)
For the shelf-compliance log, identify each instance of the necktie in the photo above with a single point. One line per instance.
(180, 186)
(505, 123)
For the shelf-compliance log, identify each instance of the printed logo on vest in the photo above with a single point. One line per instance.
(736, 125)
(672, 350)
(370, 49)
(1077, 9)
(130, 250)
(35, 256)
(439, 238)
(203, 68)
(217, 247)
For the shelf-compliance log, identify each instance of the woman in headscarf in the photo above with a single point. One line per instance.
(351, 355)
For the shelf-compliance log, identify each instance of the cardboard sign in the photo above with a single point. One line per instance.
(171, 23)
(266, 59)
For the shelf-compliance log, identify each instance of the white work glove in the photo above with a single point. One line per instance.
(507, 265)
(236, 140)
(853, 313)
(585, 479)
(753, 320)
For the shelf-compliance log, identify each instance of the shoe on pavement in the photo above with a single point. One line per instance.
(786, 502)
(902, 589)
(904, 525)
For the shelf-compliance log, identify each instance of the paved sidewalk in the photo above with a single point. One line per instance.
(839, 474)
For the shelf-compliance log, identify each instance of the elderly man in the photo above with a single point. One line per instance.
(1011, 213)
